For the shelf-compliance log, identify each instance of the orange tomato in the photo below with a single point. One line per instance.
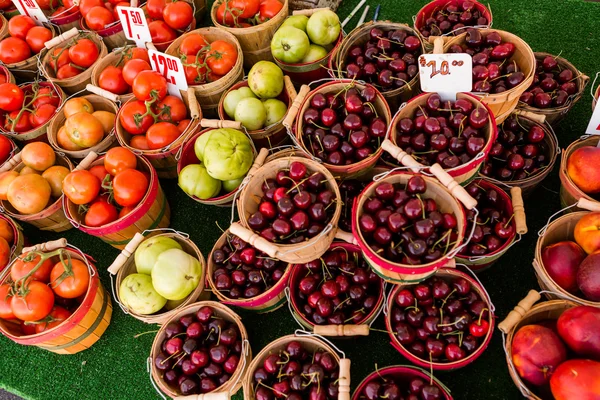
(70, 281)
(38, 155)
(139, 142)
(4, 253)
(77, 104)
(81, 187)
(84, 129)
(64, 142)
(107, 119)
(55, 176)
(28, 170)
(99, 172)
(6, 231)
(5, 298)
(6, 178)
(29, 194)
(119, 159)
(36, 37)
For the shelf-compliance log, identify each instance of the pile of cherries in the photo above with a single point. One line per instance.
(399, 388)
(493, 71)
(296, 373)
(519, 152)
(447, 133)
(200, 352)
(493, 227)
(338, 288)
(403, 226)
(452, 17)
(442, 319)
(349, 190)
(551, 86)
(343, 128)
(388, 60)
(295, 206)
(241, 271)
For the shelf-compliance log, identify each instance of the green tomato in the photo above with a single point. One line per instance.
(176, 274)
(230, 186)
(138, 294)
(315, 53)
(233, 98)
(195, 181)
(265, 79)
(276, 110)
(200, 144)
(289, 44)
(297, 21)
(323, 27)
(251, 113)
(228, 154)
(147, 252)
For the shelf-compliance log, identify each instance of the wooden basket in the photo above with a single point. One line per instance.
(209, 94)
(77, 83)
(255, 40)
(3, 27)
(152, 212)
(115, 59)
(502, 104)
(19, 240)
(28, 69)
(235, 381)
(52, 218)
(462, 173)
(113, 37)
(249, 200)
(266, 302)
(360, 36)
(8, 76)
(446, 274)
(65, 21)
(312, 4)
(273, 135)
(570, 194)
(100, 104)
(556, 114)
(309, 342)
(124, 265)
(523, 314)
(84, 327)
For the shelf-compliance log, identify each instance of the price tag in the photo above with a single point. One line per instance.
(171, 68)
(31, 9)
(593, 127)
(135, 25)
(446, 74)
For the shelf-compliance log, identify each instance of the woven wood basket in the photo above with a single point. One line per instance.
(209, 94)
(502, 104)
(556, 114)
(3, 27)
(237, 378)
(249, 200)
(8, 76)
(100, 104)
(113, 37)
(52, 218)
(360, 36)
(84, 327)
(525, 313)
(115, 59)
(462, 173)
(570, 194)
(310, 343)
(266, 302)
(255, 40)
(124, 265)
(16, 246)
(448, 275)
(152, 212)
(28, 70)
(77, 83)
(339, 171)
(66, 20)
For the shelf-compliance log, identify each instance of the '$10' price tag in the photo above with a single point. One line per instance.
(31, 9)
(171, 68)
(446, 74)
(135, 25)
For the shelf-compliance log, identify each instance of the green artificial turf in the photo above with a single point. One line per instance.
(115, 367)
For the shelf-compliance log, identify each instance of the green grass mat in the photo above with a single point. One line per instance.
(115, 367)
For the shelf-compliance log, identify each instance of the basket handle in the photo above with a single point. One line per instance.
(295, 107)
(346, 237)
(258, 162)
(87, 161)
(344, 380)
(102, 92)
(341, 330)
(47, 246)
(195, 110)
(403, 157)
(55, 41)
(126, 253)
(438, 44)
(151, 46)
(588, 204)
(519, 311)
(454, 187)
(254, 239)
(309, 11)
(205, 396)
(518, 210)
(219, 123)
(539, 118)
(11, 163)
(289, 88)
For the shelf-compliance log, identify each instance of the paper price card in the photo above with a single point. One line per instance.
(593, 127)
(135, 25)
(446, 74)
(31, 8)
(171, 68)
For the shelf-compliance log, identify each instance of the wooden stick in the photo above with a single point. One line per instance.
(102, 92)
(344, 380)
(295, 107)
(253, 239)
(195, 110)
(341, 330)
(346, 237)
(86, 162)
(11, 163)
(351, 15)
(122, 258)
(363, 16)
(454, 187)
(539, 118)
(586, 204)
(71, 33)
(518, 210)
(219, 123)
(403, 157)
(519, 311)
(309, 11)
(47, 246)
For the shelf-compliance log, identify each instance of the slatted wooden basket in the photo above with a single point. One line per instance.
(8, 76)
(116, 58)
(570, 194)
(28, 69)
(67, 19)
(112, 36)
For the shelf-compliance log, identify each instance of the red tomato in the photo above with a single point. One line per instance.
(86, 5)
(46, 95)
(21, 268)
(100, 213)
(149, 85)
(99, 172)
(27, 329)
(19, 25)
(131, 118)
(71, 279)
(34, 305)
(269, 9)
(41, 115)
(5, 148)
(155, 8)
(36, 37)
(5, 4)
(119, 159)
(14, 123)
(192, 44)
(125, 210)
(55, 318)
(171, 109)
(84, 53)
(194, 69)
(139, 142)
(222, 57)
(59, 58)
(11, 97)
(225, 16)
(47, 4)
(178, 15)
(14, 50)
(137, 53)
(81, 187)
(111, 79)
(183, 124)
(244, 8)
(161, 32)
(5, 310)
(132, 68)
(70, 5)
(98, 18)
(68, 71)
(117, 9)
(161, 135)
(130, 187)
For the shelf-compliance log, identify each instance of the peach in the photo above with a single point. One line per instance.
(582, 171)
(588, 277)
(579, 327)
(576, 380)
(587, 232)
(561, 260)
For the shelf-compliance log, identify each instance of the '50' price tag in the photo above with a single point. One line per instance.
(135, 25)
(31, 9)
(446, 74)
(171, 68)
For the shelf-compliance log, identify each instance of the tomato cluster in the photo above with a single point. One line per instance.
(108, 191)
(168, 19)
(7, 240)
(26, 39)
(246, 13)
(58, 8)
(98, 15)
(118, 78)
(84, 127)
(28, 107)
(204, 62)
(77, 56)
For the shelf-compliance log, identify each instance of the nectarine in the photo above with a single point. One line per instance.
(581, 168)
(588, 277)
(576, 380)
(561, 260)
(579, 327)
(587, 232)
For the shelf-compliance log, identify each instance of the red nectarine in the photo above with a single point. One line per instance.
(587, 232)
(576, 380)
(582, 168)
(579, 327)
(588, 277)
(561, 260)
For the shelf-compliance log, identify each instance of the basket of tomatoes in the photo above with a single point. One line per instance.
(31, 191)
(115, 196)
(19, 51)
(82, 125)
(253, 23)
(64, 14)
(51, 298)
(71, 58)
(103, 19)
(8, 149)
(11, 239)
(169, 21)
(212, 59)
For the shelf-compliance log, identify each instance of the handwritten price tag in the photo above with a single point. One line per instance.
(135, 25)
(171, 68)
(31, 8)
(593, 127)
(446, 74)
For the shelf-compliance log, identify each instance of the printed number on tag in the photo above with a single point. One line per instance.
(446, 73)
(31, 9)
(171, 68)
(135, 25)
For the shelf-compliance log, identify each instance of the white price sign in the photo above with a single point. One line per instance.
(135, 25)
(446, 74)
(171, 68)
(593, 127)
(31, 8)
